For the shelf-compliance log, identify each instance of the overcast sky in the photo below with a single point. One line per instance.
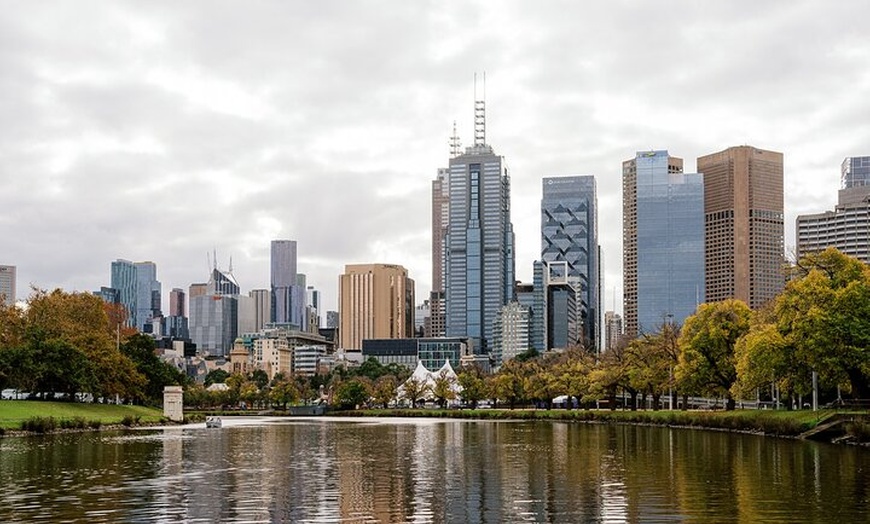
(165, 130)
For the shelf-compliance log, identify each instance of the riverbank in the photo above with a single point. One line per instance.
(46, 416)
(790, 424)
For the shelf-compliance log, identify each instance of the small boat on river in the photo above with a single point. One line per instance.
(212, 422)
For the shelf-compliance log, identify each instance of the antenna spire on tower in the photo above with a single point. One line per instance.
(454, 142)
(480, 114)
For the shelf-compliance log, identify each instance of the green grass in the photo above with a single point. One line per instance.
(785, 423)
(13, 413)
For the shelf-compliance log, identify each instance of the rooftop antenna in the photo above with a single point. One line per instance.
(214, 258)
(230, 269)
(480, 114)
(454, 142)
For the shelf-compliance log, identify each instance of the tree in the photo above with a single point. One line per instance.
(509, 383)
(54, 320)
(413, 390)
(284, 392)
(140, 349)
(611, 372)
(260, 378)
(385, 390)
(765, 356)
(824, 318)
(572, 373)
(216, 376)
(707, 360)
(372, 369)
(352, 393)
(444, 388)
(470, 379)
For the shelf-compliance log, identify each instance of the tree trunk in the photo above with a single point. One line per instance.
(656, 397)
(633, 402)
(729, 404)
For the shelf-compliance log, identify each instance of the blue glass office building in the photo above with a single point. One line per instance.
(663, 241)
(569, 233)
(479, 247)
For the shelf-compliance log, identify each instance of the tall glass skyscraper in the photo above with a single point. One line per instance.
(288, 297)
(479, 246)
(569, 233)
(125, 282)
(148, 294)
(663, 241)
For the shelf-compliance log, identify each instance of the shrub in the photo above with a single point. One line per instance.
(74, 423)
(130, 420)
(39, 424)
(2, 432)
(858, 430)
(94, 424)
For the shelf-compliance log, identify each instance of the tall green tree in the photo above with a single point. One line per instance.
(707, 341)
(824, 317)
(140, 349)
(472, 384)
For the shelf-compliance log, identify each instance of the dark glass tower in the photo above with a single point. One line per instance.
(569, 233)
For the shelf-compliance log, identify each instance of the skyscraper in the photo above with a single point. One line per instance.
(511, 333)
(177, 302)
(125, 281)
(569, 233)
(743, 208)
(663, 241)
(613, 329)
(262, 307)
(214, 316)
(845, 228)
(7, 285)
(440, 220)
(148, 294)
(288, 297)
(375, 301)
(479, 252)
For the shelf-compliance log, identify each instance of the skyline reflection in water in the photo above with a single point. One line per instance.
(428, 470)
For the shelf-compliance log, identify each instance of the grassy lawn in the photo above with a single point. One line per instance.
(14, 412)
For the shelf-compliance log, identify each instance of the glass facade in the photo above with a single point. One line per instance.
(479, 246)
(148, 294)
(124, 280)
(670, 242)
(434, 351)
(569, 233)
(214, 323)
(289, 293)
(855, 172)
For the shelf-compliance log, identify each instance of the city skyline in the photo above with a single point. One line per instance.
(211, 143)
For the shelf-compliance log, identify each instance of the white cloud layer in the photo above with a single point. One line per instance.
(163, 130)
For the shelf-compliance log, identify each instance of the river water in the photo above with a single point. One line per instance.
(426, 470)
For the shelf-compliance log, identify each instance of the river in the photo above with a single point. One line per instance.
(428, 470)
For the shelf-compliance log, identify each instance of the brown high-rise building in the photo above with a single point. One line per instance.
(435, 326)
(375, 301)
(743, 210)
(177, 303)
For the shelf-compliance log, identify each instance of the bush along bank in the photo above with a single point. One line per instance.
(774, 423)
